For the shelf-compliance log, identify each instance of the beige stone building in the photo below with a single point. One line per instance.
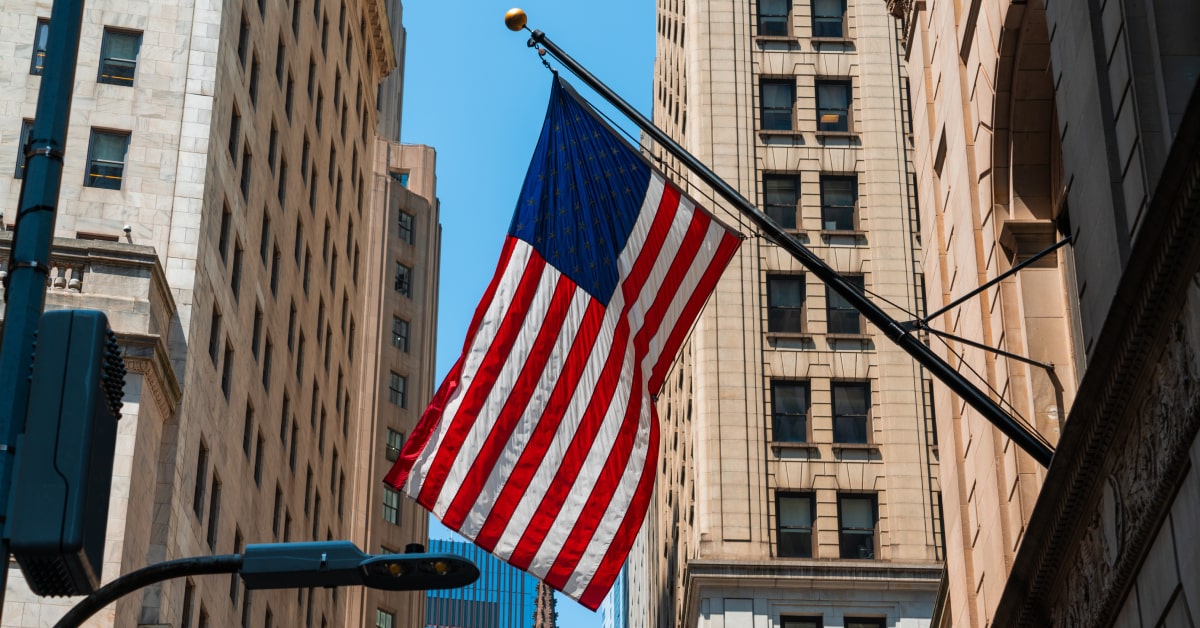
(799, 484)
(1036, 122)
(225, 199)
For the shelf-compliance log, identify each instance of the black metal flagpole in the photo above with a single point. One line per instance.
(892, 328)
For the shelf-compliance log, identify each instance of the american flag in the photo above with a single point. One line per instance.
(541, 445)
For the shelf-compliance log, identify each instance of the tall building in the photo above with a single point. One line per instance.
(1036, 122)
(224, 199)
(502, 597)
(799, 484)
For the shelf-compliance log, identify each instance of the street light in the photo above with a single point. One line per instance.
(295, 566)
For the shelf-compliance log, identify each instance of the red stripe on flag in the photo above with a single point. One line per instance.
(613, 471)
(482, 381)
(514, 406)
(419, 438)
(725, 250)
(543, 434)
(614, 558)
(552, 501)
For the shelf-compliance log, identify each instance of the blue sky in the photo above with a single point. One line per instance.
(477, 94)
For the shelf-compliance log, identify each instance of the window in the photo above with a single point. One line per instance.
(258, 459)
(794, 537)
(223, 236)
(851, 404)
(829, 18)
(277, 512)
(281, 189)
(325, 36)
(214, 512)
(833, 106)
(384, 619)
(26, 127)
(227, 370)
(841, 317)
(292, 453)
(214, 335)
(773, 18)
(233, 577)
(396, 389)
(256, 336)
(247, 428)
(235, 126)
(391, 506)
(106, 159)
(273, 146)
(403, 279)
(801, 622)
(41, 34)
(400, 333)
(189, 596)
(307, 269)
(264, 237)
(778, 99)
(246, 172)
(243, 41)
(280, 60)
(781, 198)
(320, 109)
(201, 477)
(866, 622)
(268, 352)
(839, 197)
(406, 227)
(395, 441)
(289, 96)
(785, 303)
(856, 525)
(118, 56)
(790, 405)
(269, 619)
(235, 275)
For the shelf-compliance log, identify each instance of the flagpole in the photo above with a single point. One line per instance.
(892, 328)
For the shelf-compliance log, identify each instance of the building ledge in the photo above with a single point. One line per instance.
(815, 573)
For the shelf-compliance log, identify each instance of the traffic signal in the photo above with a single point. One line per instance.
(65, 458)
(341, 563)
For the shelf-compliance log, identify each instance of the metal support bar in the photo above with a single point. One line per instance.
(890, 327)
(1001, 277)
(980, 345)
(32, 237)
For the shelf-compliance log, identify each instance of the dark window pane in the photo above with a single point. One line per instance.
(833, 105)
(778, 98)
(26, 127)
(118, 56)
(856, 520)
(773, 17)
(839, 196)
(790, 411)
(785, 303)
(851, 408)
(795, 518)
(41, 34)
(841, 317)
(829, 18)
(781, 196)
(106, 160)
(800, 622)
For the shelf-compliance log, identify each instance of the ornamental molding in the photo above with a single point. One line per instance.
(146, 355)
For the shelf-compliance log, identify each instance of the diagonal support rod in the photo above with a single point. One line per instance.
(980, 345)
(1001, 277)
(892, 328)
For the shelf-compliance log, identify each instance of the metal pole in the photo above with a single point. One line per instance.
(891, 328)
(29, 261)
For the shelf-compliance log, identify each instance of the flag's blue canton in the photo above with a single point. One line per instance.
(582, 195)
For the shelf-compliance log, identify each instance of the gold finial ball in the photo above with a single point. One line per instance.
(515, 19)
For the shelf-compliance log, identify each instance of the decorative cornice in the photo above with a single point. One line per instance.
(379, 35)
(1134, 420)
(146, 355)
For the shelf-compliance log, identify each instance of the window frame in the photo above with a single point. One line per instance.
(391, 506)
(797, 621)
(26, 130)
(763, 19)
(780, 529)
(857, 531)
(764, 109)
(774, 308)
(90, 175)
(819, 20)
(398, 389)
(838, 126)
(845, 416)
(111, 78)
(406, 227)
(777, 210)
(393, 443)
(777, 431)
(837, 308)
(400, 338)
(41, 44)
(829, 208)
(404, 277)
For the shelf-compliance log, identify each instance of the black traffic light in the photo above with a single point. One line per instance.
(65, 458)
(341, 563)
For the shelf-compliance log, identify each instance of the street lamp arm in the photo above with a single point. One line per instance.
(134, 580)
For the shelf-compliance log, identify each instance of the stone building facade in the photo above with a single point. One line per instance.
(1036, 122)
(799, 481)
(220, 200)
